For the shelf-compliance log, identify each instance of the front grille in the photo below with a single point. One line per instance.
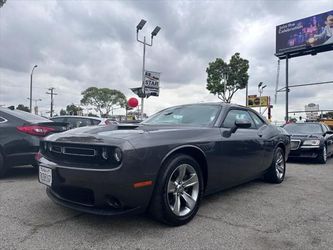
(79, 155)
(294, 144)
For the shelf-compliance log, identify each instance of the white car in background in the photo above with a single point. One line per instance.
(75, 121)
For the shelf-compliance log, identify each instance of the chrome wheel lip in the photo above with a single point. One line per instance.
(279, 165)
(183, 190)
(325, 154)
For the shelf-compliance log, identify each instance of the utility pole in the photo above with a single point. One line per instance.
(52, 94)
(32, 72)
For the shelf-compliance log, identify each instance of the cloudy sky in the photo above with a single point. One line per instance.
(78, 44)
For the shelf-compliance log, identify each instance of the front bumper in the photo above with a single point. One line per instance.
(305, 152)
(104, 192)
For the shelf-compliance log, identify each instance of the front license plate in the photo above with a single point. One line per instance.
(45, 176)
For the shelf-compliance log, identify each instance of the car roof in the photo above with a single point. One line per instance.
(80, 116)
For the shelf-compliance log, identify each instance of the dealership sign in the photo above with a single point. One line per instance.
(305, 36)
(152, 83)
(256, 101)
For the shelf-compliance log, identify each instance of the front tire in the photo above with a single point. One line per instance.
(277, 170)
(322, 158)
(178, 191)
(3, 168)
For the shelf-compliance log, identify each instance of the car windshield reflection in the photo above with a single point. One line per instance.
(198, 115)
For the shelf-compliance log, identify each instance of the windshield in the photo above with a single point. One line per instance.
(303, 128)
(201, 115)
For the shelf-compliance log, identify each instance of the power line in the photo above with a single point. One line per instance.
(302, 85)
(52, 94)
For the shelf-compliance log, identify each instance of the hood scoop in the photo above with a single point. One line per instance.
(127, 126)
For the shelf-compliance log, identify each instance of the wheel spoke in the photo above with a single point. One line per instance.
(191, 181)
(171, 187)
(190, 202)
(176, 207)
(280, 168)
(181, 173)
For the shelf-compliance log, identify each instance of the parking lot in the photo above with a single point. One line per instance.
(296, 214)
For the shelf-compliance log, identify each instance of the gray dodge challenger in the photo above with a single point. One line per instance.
(164, 165)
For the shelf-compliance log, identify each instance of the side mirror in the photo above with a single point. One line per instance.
(239, 123)
(329, 132)
(243, 123)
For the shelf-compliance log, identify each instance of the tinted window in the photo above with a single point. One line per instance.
(303, 128)
(189, 114)
(58, 119)
(236, 114)
(95, 122)
(257, 120)
(77, 122)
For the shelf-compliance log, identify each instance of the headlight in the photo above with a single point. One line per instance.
(311, 142)
(117, 154)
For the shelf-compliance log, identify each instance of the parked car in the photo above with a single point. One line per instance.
(20, 133)
(310, 140)
(165, 164)
(82, 121)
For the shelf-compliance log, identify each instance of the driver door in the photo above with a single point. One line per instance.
(240, 154)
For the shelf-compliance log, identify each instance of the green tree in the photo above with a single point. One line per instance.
(92, 115)
(329, 115)
(103, 99)
(237, 74)
(63, 112)
(23, 108)
(73, 109)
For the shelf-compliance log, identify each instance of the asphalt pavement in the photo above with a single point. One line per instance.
(297, 214)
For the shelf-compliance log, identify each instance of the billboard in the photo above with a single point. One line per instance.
(152, 83)
(308, 35)
(256, 101)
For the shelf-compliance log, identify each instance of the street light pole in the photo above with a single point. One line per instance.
(153, 33)
(32, 71)
(143, 75)
(261, 90)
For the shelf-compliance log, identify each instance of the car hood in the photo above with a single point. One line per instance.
(115, 133)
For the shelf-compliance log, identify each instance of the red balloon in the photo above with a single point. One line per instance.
(132, 102)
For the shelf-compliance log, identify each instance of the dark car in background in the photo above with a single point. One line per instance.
(20, 134)
(310, 140)
(75, 121)
(164, 164)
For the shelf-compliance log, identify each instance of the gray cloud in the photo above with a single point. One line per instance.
(78, 44)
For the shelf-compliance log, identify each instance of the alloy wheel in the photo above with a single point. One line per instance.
(325, 154)
(279, 165)
(183, 190)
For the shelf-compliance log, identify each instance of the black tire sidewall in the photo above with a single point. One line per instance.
(321, 157)
(2, 166)
(271, 175)
(169, 167)
(279, 180)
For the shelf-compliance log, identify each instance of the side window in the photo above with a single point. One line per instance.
(95, 122)
(78, 122)
(234, 115)
(257, 120)
(58, 119)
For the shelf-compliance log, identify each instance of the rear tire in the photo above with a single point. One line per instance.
(3, 168)
(178, 191)
(277, 170)
(322, 158)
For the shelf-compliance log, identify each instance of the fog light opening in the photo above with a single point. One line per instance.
(113, 202)
(105, 155)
